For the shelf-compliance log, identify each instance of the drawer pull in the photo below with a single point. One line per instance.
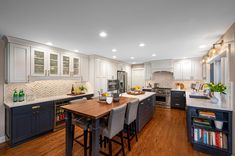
(35, 107)
(177, 104)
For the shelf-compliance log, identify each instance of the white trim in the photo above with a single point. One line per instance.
(2, 139)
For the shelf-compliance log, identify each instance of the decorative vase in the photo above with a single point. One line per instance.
(217, 95)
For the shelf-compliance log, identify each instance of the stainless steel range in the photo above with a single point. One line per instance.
(163, 97)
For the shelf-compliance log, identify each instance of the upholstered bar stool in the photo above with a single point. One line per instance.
(114, 127)
(130, 121)
(83, 123)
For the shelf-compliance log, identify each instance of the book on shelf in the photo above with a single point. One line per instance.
(216, 139)
(201, 121)
(207, 114)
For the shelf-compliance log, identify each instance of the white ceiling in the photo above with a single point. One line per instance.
(169, 28)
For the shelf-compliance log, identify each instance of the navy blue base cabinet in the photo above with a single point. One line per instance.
(203, 133)
(145, 111)
(24, 122)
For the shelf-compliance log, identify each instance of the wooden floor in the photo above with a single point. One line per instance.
(164, 135)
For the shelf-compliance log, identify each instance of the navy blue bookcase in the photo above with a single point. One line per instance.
(221, 115)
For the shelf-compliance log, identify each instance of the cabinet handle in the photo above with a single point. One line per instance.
(141, 103)
(48, 72)
(35, 107)
(45, 72)
(177, 104)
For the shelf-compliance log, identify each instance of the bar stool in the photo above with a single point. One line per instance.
(114, 127)
(83, 123)
(130, 121)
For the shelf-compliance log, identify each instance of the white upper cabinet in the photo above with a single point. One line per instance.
(101, 67)
(70, 65)
(148, 71)
(188, 69)
(85, 68)
(54, 64)
(196, 69)
(44, 62)
(178, 75)
(18, 63)
(38, 62)
(76, 67)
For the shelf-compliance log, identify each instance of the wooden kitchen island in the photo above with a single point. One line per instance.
(95, 110)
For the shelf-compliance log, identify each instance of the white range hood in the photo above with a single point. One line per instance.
(162, 65)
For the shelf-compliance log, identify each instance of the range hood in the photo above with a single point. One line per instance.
(162, 66)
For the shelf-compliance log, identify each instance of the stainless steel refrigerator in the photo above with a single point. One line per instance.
(122, 81)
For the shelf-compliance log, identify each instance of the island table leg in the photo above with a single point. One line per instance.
(95, 137)
(69, 136)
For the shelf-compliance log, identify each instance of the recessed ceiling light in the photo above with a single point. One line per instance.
(133, 62)
(103, 34)
(153, 55)
(114, 50)
(202, 46)
(132, 57)
(184, 57)
(76, 50)
(49, 43)
(141, 44)
(114, 57)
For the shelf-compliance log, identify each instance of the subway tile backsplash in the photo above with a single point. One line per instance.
(42, 89)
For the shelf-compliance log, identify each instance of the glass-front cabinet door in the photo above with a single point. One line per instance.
(38, 60)
(66, 65)
(54, 64)
(76, 67)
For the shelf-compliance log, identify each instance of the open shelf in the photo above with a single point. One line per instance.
(209, 146)
(204, 128)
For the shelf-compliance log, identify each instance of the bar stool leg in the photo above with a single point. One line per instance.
(110, 147)
(85, 142)
(128, 137)
(90, 144)
(136, 137)
(123, 150)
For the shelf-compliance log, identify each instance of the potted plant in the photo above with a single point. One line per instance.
(217, 90)
(83, 88)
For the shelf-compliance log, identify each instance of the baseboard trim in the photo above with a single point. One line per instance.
(2, 139)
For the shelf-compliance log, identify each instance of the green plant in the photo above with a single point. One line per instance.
(217, 87)
(83, 88)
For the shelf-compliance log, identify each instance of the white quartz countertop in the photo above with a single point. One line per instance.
(140, 97)
(205, 103)
(40, 100)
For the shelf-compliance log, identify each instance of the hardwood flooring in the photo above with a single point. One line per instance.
(164, 135)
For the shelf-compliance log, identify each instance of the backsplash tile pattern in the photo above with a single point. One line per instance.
(42, 89)
(166, 80)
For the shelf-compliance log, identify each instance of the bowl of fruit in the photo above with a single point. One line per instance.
(103, 96)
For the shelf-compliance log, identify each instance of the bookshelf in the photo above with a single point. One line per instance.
(203, 133)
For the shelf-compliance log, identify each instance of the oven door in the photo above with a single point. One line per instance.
(160, 98)
(163, 100)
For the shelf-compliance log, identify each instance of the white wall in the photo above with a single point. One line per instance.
(2, 125)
